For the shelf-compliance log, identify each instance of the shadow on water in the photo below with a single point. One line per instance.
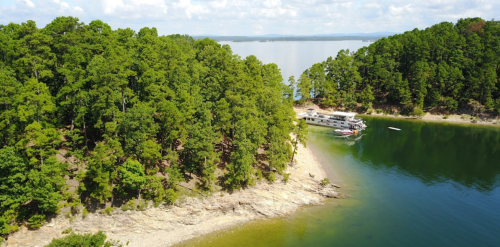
(432, 152)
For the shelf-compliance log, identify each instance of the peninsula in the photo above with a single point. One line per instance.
(192, 217)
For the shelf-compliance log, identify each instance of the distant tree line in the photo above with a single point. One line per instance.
(365, 38)
(136, 112)
(448, 67)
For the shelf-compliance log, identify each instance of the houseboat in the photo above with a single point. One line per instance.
(339, 120)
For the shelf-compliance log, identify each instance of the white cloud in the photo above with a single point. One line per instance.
(78, 9)
(62, 4)
(134, 9)
(29, 3)
(272, 3)
(189, 9)
(407, 9)
(245, 17)
(217, 4)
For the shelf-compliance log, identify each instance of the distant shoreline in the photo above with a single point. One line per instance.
(280, 39)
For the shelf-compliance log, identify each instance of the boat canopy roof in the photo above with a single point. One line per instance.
(344, 114)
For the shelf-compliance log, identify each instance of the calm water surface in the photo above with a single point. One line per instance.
(426, 185)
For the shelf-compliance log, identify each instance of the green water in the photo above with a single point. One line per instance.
(426, 185)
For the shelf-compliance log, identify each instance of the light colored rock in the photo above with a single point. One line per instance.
(192, 217)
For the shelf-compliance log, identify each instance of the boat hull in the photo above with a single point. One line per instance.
(346, 132)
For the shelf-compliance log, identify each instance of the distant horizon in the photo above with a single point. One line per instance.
(382, 33)
(253, 18)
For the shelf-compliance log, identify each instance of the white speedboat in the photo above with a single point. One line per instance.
(346, 132)
(338, 119)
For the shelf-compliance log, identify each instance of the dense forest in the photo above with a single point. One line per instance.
(447, 67)
(130, 115)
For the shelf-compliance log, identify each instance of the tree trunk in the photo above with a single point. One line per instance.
(36, 71)
(123, 102)
(295, 144)
(37, 113)
(41, 157)
(85, 131)
(73, 121)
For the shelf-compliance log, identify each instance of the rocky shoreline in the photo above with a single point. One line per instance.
(452, 118)
(193, 217)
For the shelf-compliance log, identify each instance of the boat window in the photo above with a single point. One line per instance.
(312, 119)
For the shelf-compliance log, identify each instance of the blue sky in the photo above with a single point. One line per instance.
(251, 17)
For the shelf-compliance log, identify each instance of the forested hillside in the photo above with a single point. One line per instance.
(447, 67)
(135, 112)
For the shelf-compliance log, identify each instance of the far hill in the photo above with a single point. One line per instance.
(290, 37)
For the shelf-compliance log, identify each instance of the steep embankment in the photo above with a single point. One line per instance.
(193, 217)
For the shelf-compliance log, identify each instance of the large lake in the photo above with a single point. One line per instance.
(430, 184)
(293, 57)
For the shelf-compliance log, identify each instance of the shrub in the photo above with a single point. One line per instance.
(130, 205)
(75, 207)
(286, 176)
(142, 205)
(325, 182)
(36, 221)
(446, 117)
(170, 196)
(258, 174)
(271, 177)
(85, 213)
(370, 111)
(379, 111)
(388, 111)
(450, 104)
(407, 110)
(77, 240)
(417, 112)
(108, 210)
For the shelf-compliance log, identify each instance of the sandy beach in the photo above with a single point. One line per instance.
(193, 217)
